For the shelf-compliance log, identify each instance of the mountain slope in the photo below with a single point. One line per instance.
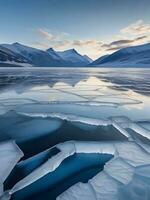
(88, 58)
(97, 61)
(54, 54)
(72, 57)
(34, 56)
(9, 57)
(18, 54)
(134, 56)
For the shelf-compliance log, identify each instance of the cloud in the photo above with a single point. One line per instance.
(87, 43)
(119, 44)
(52, 36)
(62, 44)
(47, 35)
(137, 28)
(141, 38)
(116, 48)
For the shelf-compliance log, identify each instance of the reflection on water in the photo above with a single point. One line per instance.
(107, 92)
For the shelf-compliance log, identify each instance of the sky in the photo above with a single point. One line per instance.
(92, 27)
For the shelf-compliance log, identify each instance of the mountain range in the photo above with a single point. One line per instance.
(21, 55)
(17, 54)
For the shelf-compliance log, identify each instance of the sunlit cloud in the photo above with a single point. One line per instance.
(137, 28)
(51, 35)
(47, 35)
(87, 43)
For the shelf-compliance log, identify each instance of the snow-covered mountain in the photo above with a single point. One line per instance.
(35, 57)
(8, 57)
(88, 58)
(54, 54)
(74, 58)
(18, 54)
(135, 56)
(97, 61)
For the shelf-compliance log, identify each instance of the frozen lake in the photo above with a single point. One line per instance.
(43, 109)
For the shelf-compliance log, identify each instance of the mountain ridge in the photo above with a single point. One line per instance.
(40, 58)
(133, 56)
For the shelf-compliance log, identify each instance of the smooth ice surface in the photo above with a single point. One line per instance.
(120, 170)
(87, 92)
(31, 128)
(85, 193)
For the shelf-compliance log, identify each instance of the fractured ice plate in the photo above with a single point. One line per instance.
(10, 154)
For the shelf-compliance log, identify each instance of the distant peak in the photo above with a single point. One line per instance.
(68, 51)
(16, 43)
(50, 49)
(73, 50)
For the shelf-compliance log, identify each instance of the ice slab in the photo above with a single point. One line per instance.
(105, 189)
(141, 130)
(75, 193)
(133, 153)
(10, 154)
(139, 187)
(31, 128)
(145, 124)
(69, 117)
(125, 170)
